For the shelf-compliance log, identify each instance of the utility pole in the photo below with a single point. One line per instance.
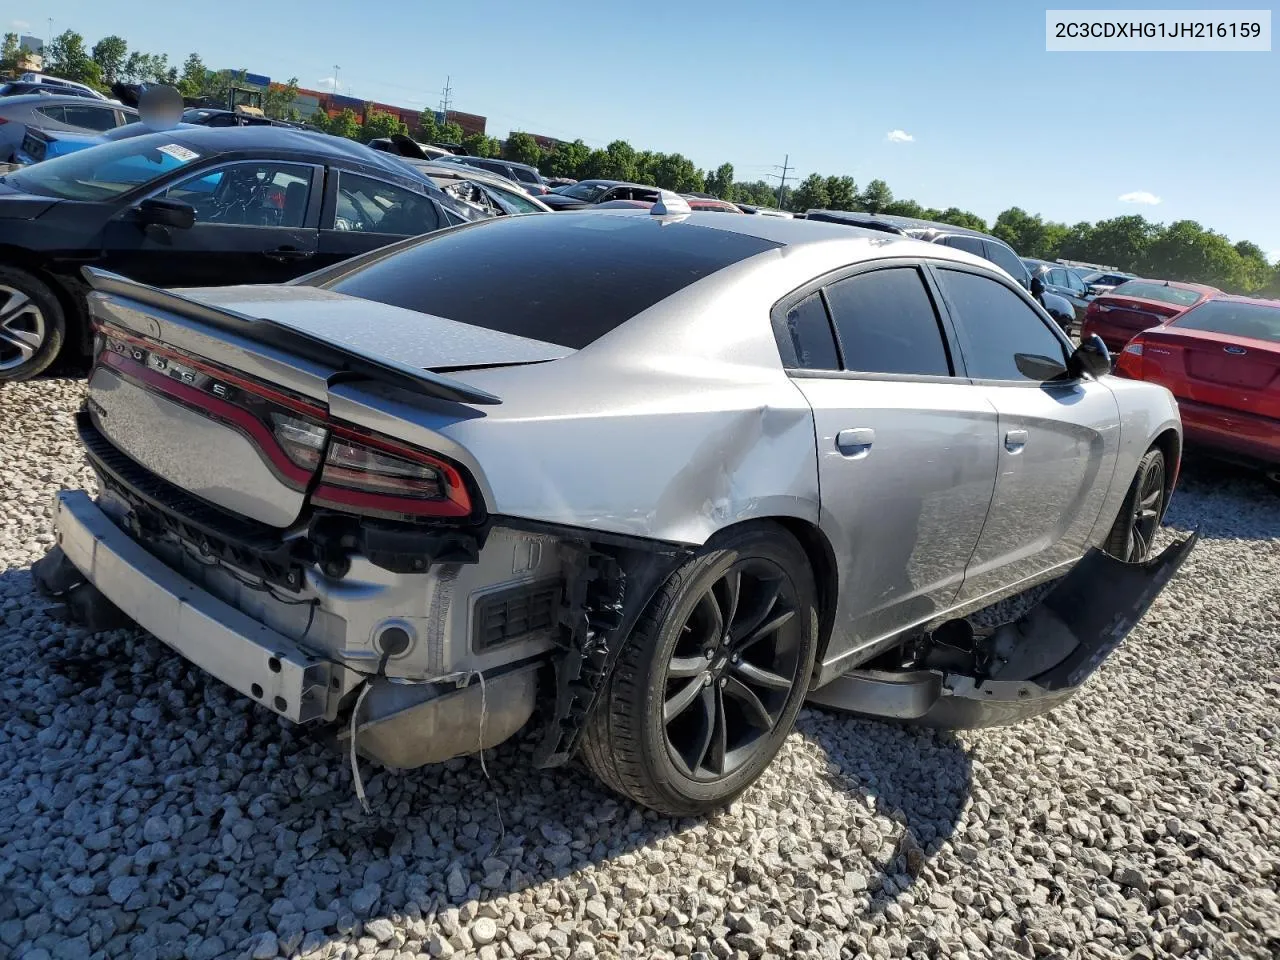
(446, 98)
(336, 68)
(782, 179)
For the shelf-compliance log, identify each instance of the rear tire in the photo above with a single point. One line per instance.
(1133, 534)
(694, 710)
(32, 325)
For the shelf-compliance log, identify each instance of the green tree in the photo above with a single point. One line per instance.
(428, 130)
(617, 161)
(194, 77)
(345, 124)
(480, 145)
(1078, 242)
(10, 53)
(1187, 251)
(567, 160)
(842, 193)
(522, 148)
(812, 193)
(277, 101)
(1255, 271)
(1029, 235)
(960, 218)
(876, 196)
(378, 123)
(1121, 241)
(109, 53)
(67, 57)
(757, 193)
(720, 181)
(452, 133)
(674, 171)
(909, 208)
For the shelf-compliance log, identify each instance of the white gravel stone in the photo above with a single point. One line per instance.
(147, 811)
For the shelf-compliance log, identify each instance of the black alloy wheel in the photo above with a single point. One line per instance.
(732, 670)
(1148, 507)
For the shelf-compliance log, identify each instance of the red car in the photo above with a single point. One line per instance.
(1138, 304)
(1221, 360)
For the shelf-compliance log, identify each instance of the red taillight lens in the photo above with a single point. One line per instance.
(1129, 363)
(378, 477)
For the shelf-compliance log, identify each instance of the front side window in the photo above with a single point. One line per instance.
(1006, 338)
(256, 194)
(374, 206)
(886, 323)
(89, 117)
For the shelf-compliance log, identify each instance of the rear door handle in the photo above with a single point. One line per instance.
(855, 441)
(287, 254)
(1015, 440)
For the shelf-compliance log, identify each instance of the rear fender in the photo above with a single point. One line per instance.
(1022, 668)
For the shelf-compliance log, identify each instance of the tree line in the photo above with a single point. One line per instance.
(1183, 250)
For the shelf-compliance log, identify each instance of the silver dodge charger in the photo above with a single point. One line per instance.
(660, 476)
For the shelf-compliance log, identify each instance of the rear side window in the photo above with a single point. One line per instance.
(560, 279)
(90, 117)
(1008, 261)
(804, 337)
(886, 323)
(1000, 328)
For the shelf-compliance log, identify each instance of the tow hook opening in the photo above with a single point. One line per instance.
(959, 676)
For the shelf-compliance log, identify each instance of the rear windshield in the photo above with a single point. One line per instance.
(565, 278)
(1146, 290)
(1237, 319)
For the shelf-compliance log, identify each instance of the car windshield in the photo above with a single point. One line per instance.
(558, 279)
(105, 171)
(1256, 320)
(1146, 290)
(584, 191)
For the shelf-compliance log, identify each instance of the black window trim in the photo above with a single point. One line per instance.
(778, 319)
(933, 265)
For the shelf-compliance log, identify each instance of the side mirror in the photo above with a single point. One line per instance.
(1037, 287)
(1091, 357)
(163, 212)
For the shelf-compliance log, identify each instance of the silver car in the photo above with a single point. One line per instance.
(55, 112)
(666, 475)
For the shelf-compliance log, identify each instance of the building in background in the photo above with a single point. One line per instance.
(308, 102)
(31, 50)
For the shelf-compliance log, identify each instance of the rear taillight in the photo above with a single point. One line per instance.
(302, 441)
(1129, 363)
(382, 478)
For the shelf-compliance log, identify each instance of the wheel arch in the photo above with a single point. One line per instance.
(1169, 443)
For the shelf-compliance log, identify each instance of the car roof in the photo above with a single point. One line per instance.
(1256, 301)
(1176, 284)
(48, 99)
(906, 225)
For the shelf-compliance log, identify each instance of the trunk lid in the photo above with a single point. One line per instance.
(1217, 369)
(228, 394)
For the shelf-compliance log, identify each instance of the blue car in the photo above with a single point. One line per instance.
(38, 144)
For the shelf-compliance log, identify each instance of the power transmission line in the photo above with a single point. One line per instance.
(782, 178)
(446, 96)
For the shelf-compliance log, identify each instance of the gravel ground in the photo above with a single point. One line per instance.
(148, 812)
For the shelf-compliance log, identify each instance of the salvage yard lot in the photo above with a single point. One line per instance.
(148, 811)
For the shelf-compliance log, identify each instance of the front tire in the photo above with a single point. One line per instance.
(709, 682)
(32, 326)
(1133, 534)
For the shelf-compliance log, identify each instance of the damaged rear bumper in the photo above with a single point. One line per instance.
(1026, 667)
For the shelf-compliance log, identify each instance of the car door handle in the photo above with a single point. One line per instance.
(855, 441)
(287, 254)
(1015, 440)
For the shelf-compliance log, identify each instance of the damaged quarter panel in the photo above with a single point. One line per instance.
(672, 443)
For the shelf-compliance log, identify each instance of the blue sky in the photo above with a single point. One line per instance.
(994, 119)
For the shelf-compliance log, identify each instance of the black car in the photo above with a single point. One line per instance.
(971, 241)
(586, 193)
(192, 207)
(1063, 281)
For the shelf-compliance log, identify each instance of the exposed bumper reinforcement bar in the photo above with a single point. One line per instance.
(1026, 667)
(255, 660)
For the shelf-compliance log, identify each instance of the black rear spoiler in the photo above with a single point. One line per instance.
(352, 364)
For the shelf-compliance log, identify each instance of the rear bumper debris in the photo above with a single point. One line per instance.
(1023, 668)
(255, 660)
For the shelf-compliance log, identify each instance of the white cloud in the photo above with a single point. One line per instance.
(20, 24)
(1139, 196)
(898, 136)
